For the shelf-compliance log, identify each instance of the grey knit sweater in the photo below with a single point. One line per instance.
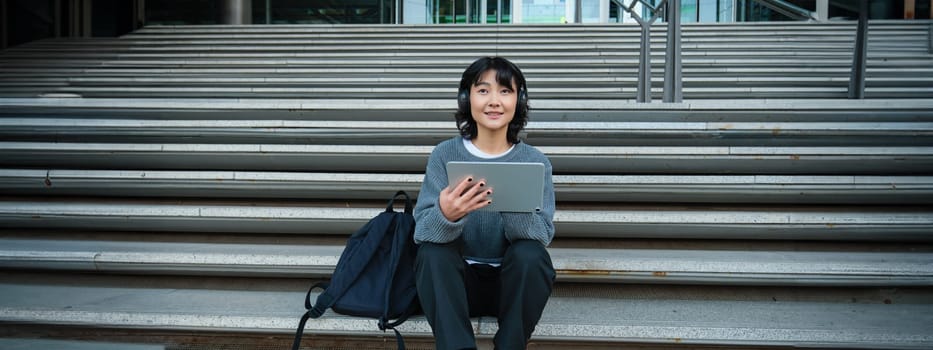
(486, 235)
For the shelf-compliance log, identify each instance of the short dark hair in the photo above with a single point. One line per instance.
(506, 73)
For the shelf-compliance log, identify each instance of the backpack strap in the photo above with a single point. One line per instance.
(315, 310)
(409, 208)
(384, 324)
(311, 313)
(399, 342)
(301, 330)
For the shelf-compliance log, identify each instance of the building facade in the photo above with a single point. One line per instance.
(27, 20)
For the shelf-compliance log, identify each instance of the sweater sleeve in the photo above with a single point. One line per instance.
(538, 226)
(431, 225)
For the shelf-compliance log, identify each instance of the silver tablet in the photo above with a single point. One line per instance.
(517, 187)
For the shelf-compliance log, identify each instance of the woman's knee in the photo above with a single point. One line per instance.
(528, 253)
(433, 254)
(527, 268)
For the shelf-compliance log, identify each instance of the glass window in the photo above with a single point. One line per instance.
(177, 12)
(726, 11)
(753, 11)
(492, 9)
(416, 12)
(28, 21)
(877, 9)
(688, 11)
(615, 15)
(119, 13)
(590, 11)
(544, 11)
(708, 13)
(330, 11)
(455, 11)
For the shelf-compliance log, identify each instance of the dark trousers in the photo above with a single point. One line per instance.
(451, 291)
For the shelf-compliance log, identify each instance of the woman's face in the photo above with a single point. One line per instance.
(492, 105)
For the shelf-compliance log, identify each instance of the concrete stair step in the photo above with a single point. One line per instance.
(533, 73)
(624, 93)
(878, 224)
(786, 31)
(345, 87)
(774, 28)
(802, 189)
(194, 51)
(545, 110)
(121, 49)
(364, 83)
(530, 57)
(584, 314)
(668, 266)
(254, 42)
(581, 160)
(415, 60)
(51, 344)
(567, 133)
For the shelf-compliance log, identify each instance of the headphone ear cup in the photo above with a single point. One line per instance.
(523, 99)
(463, 100)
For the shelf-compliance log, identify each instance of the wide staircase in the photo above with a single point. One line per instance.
(181, 187)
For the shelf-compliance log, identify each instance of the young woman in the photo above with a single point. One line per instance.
(481, 263)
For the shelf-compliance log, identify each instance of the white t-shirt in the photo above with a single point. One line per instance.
(479, 153)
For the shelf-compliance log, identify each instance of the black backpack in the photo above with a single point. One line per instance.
(375, 276)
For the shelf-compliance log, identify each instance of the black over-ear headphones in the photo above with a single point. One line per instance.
(522, 99)
(463, 100)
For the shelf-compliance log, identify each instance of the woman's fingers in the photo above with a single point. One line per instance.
(467, 196)
(463, 186)
(477, 196)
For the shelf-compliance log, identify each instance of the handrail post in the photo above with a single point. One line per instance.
(930, 37)
(673, 68)
(857, 78)
(643, 94)
(644, 66)
(578, 11)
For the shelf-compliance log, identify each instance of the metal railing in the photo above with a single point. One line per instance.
(673, 82)
(673, 68)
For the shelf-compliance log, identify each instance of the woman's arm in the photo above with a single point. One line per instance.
(430, 223)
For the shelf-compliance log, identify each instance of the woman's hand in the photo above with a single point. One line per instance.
(466, 197)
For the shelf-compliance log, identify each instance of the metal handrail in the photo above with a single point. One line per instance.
(644, 61)
(673, 82)
(673, 69)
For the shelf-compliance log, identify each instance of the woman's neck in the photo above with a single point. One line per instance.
(491, 144)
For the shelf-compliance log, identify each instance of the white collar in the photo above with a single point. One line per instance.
(479, 153)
